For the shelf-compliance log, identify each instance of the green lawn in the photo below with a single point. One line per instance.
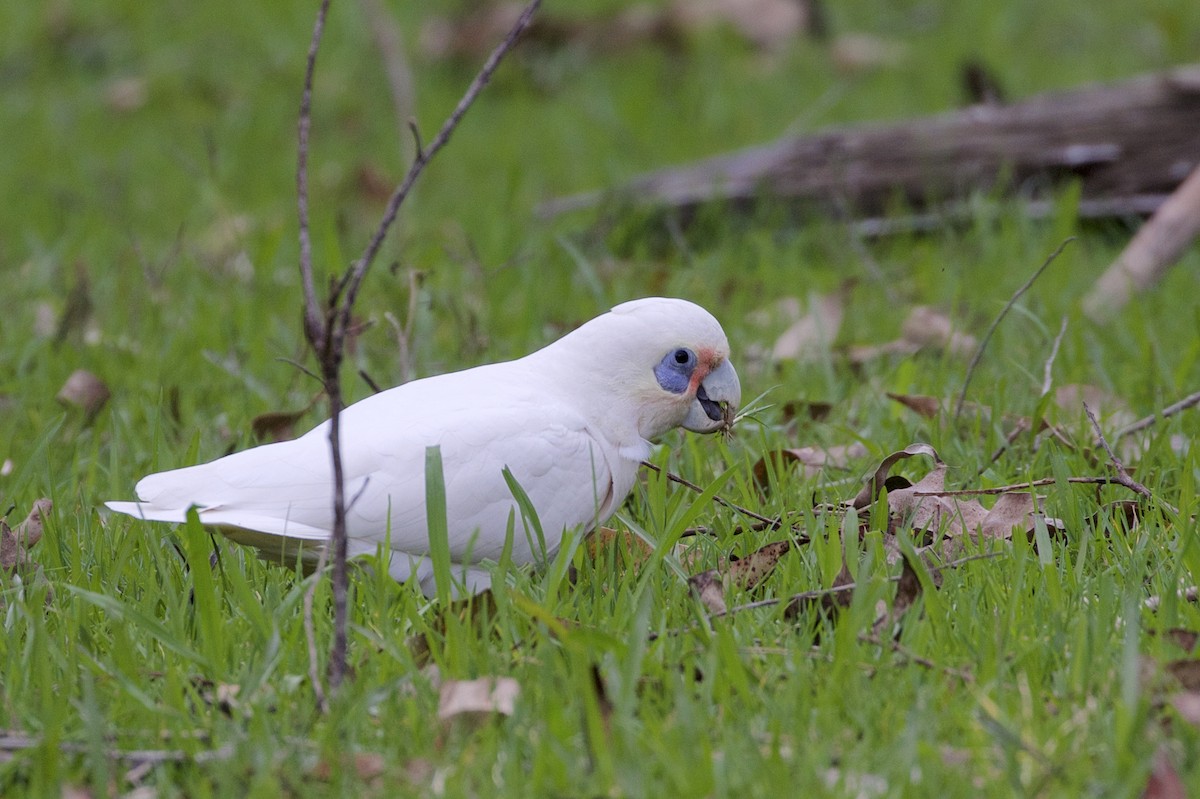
(149, 167)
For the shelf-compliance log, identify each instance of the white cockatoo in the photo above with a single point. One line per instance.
(571, 422)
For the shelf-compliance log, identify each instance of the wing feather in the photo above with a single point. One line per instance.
(484, 420)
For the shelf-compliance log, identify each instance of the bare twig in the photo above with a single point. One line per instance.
(1008, 489)
(1141, 424)
(314, 328)
(962, 395)
(770, 523)
(326, 332)
(1122, 475)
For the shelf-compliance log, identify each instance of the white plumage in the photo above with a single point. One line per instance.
(571, 421)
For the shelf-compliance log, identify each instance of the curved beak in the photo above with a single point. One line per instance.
(716, 402)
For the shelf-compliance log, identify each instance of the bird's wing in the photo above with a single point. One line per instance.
(484, 420)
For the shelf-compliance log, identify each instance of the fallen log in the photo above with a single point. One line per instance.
(1156, 247)
(1124, 142)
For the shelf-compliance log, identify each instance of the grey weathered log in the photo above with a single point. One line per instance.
(1135, 139)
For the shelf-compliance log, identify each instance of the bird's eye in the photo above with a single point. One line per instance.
(674, 371)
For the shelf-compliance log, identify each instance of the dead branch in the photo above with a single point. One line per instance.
(1156, 247)
(978, 356)
(1121, 142)
(1122, 475)
(326, 331)
(1141, 424)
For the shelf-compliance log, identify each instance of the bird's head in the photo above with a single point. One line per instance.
(658, 362)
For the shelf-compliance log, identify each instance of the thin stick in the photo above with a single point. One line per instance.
(314, 328)
(1122, 475)
(771, 523)
(328, 337)
(962, 395)
(1008, 489)
(1141, 424)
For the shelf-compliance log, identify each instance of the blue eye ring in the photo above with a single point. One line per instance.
(674, 371)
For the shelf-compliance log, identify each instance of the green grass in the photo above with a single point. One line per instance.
(181, 215)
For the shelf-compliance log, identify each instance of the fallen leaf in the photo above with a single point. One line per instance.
(928, 327)
(810, 337)
(924, 327)
(923, 404)
(1186, 671)
(16, 542)
(709, 587)
(126, 94)
(1182, 638)
(622, 541)
(766, 24)
(813, 460)
(78, 307)
(805, 409)
(869, 491)
(856, 52)
(1187, 705)
(1164, 781)
(480, 698)
(749, 571)
(366, 766)
(279, 425)
(85, 391)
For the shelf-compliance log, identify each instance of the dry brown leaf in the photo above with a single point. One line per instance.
(710, 589)
(1182, 638)
(869, 491)
(480, 698)
(16, 542)
(126, 94)
(923, 404)
(929, 327)
(767, 24)
(367, 766)
(1164, 781)
(606, 538)
(923, 327)
(1187, 705)
(811, 336)
(811, 459)
(805, 409)
(855, 52)
(749, 571)
(78, 308)
(85, 391)
(279, 425)
(1186, 671)
(860, 354)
